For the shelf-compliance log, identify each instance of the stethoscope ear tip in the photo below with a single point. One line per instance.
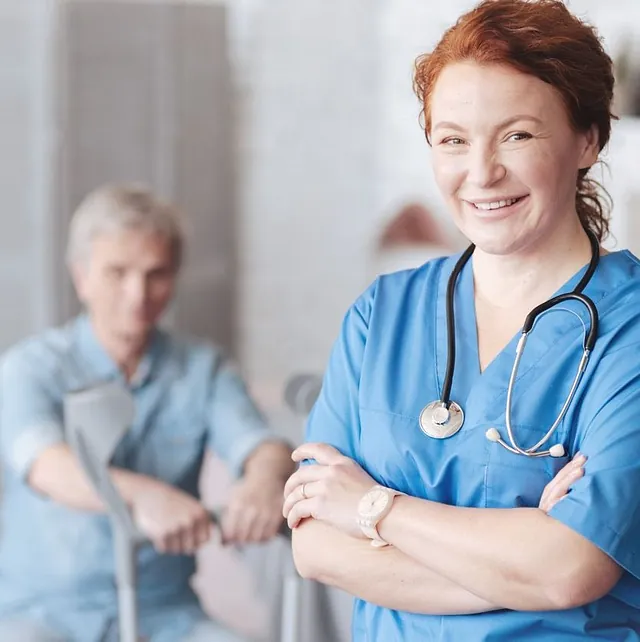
(492, 435)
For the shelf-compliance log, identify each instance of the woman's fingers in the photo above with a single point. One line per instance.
(560, 478)
(301, 510)
(561, 491)
(304, 475)
(322, 453)
(298, 494)
(560, 485)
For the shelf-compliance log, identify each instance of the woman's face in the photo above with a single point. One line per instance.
(505, 156)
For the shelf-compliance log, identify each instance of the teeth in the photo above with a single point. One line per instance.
(495, 205)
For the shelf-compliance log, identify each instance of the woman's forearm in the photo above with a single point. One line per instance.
(520, 558)
(386, 577)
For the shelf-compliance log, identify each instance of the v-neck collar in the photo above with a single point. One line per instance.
(467, 374)
(510, 346)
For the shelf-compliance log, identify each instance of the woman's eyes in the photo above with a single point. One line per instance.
(455, 141)
(518, 136)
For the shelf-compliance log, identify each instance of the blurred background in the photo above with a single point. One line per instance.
(288, 132)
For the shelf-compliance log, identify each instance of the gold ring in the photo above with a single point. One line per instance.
(304, 494)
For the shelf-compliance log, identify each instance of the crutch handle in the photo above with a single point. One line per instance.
(216, 516)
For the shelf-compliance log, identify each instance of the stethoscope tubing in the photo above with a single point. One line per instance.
(589, 342)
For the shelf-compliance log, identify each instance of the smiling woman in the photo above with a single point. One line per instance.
(572, 64)
(516, 104)
(509, 181)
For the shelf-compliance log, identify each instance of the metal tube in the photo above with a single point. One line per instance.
(126, 553)
(290, 617)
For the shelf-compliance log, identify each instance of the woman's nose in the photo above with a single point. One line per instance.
(486, 168)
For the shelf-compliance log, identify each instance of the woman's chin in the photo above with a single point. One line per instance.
(498, 242)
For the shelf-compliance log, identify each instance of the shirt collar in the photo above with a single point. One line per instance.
(97, 365)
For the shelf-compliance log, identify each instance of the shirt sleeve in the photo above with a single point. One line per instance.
(237, 427)
(335, 417)
(30, 415)
(604, 506)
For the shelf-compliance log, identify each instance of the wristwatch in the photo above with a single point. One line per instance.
(373, 507)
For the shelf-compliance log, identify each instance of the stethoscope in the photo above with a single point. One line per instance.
(444, 418)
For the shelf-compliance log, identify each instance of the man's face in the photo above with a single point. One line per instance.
(126, 281)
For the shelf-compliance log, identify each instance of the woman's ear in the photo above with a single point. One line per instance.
(590, 148)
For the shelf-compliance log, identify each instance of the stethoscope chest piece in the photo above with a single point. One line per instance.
(440, 422)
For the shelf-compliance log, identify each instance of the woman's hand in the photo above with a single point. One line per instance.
(559, 486)
(328, 490)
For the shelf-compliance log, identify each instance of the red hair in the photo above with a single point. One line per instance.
(543, 39)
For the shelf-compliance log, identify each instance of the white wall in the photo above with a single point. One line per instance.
(309, 173)
(26, 286)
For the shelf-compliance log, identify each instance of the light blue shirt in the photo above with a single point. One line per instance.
(389, 362)
(56, 563)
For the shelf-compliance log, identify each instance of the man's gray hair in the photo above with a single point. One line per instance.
(114, 208)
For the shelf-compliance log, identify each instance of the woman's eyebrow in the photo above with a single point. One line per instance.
(445, 124)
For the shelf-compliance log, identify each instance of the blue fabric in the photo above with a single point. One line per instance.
(178, 622)
(56, 564)
(389, 362)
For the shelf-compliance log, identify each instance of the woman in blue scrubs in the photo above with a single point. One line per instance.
(469, 540)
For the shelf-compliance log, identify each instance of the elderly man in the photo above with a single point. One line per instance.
(56, 562)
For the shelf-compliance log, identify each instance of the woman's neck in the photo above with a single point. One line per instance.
(524, 279)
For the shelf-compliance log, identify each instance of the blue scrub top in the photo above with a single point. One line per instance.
(389, 362)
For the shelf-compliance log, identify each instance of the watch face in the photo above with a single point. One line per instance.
(373, 503)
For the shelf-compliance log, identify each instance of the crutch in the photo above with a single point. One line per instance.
(96, 420)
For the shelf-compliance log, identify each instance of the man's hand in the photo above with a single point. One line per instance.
(173, 520)
(254, 511)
